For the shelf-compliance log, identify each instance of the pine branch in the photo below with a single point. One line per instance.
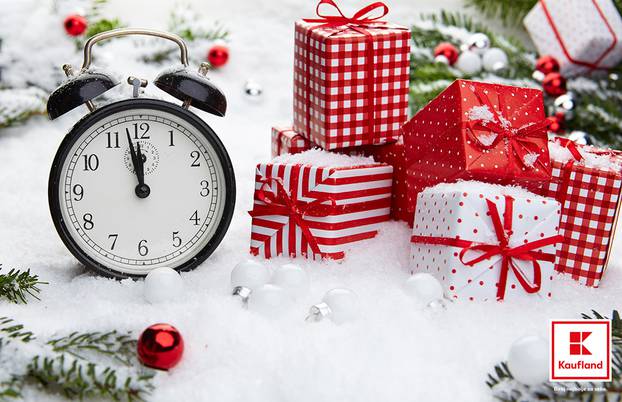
(18, 105)
(17, 285)
(120, 347)
(11, 331)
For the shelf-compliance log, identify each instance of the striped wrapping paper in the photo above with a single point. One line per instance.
(303, 210)
(286, 141)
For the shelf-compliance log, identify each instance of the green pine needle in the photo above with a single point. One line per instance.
(121, 347)
(17, 285)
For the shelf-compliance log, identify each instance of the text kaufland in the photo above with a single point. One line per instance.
(581, 364)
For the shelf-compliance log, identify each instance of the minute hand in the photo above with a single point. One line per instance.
(142, 190)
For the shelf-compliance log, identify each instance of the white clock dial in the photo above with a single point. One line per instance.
(101, 210)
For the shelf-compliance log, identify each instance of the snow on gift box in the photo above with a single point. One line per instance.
(486, 241)
(581, 34)
(587, 182)
(316, 203)
(285, 140)
(350, 77)
(478, 131)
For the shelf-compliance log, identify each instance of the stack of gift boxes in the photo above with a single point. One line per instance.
(495, 206)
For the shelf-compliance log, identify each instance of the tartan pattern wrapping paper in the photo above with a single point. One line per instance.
(590, 198)
(334, 104)
(300, 207)
(286, 141)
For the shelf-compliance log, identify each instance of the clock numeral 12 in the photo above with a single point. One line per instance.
(143, 127)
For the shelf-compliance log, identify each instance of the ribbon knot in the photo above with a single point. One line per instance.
(503, 230)
(361, 17)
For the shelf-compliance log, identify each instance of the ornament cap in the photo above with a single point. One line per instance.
(242, 292)
(318, 312)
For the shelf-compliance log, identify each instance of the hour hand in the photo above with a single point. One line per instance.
(142, 190)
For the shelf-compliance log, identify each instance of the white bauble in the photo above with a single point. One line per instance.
(292, 278)
(469, 63)
(163, 284)
(343, 304)
(249, 274)
(528, 360)
(269, 300)
(494, 60)
(424, 288)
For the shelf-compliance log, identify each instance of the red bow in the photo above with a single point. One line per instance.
(519, 139)
(526, 252)
(282, 203)
(570, 146)
(361, 17)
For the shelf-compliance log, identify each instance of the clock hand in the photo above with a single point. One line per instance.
(142, 190)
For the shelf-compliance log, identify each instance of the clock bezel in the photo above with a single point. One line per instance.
(54, 188)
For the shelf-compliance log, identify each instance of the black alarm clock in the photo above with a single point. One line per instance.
(140, 183)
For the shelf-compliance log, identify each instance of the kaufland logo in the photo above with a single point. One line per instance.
(580, 350)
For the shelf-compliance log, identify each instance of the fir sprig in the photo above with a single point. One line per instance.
(9, 330)
(16, 285)
(120, 347)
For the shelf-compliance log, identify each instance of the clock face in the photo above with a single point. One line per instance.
(122, 228)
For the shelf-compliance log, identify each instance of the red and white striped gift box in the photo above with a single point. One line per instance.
(350, 81)
(303, 210)
(590, 198)
(286, 141)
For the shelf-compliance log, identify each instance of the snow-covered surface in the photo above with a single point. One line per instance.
(321, 158)
(393, 352)
(476, 187)
(590, 159)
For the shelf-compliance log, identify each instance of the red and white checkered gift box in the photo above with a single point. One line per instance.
(485, 241)
(286, 141)
(301, 209)
(350, 78)
(581, 34)
(587, 181)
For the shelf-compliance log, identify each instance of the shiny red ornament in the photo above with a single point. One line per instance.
(554, 84)
(547, 65)
(75, 25)
(218, 56)
(160, 346)
(556, 123)
(449, 51)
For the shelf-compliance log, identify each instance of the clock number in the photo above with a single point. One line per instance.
(171, 144)
(176, 239)
(195, 155)
(195, 218)
(78, 190)
(91, 162)
(143, 128)
(142, 248)
(204, 188)
(114, 237)
(88, 221)
(113, 139)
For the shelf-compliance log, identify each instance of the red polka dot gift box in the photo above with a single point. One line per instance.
(284, 140)
(583, 35)
(478, 131)
(486, 241)
(587, 181)
(351, 76)
(317, 204)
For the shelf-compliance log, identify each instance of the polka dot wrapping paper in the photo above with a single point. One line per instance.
(590, 196)
(478, 131)
(305, 210)
(486, 242)
(581, 34)
(287, 141)
(350, 82)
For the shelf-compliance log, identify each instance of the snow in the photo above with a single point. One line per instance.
(476, 187)
(590, 159)
(481, 113)
(395, 351)
(321, 158)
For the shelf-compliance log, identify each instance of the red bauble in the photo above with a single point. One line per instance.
(75, 25)
(556, 123)
(547, 65)
(160, 346)
(449, 51)
(218, 55)
(554, 84)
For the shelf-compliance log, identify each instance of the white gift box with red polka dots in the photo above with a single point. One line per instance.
(580, 34)
(486, 241)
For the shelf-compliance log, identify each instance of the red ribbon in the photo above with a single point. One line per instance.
(591, 65)
(503, 230)
(570, 146)
(282, 203)
(359, 22)
(520, 140)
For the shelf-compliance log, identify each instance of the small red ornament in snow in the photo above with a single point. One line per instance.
(556, 123)
(554, 84)
(547, 64)
(160, 346)
(446, 52)
(218, 55)
(75, 25)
